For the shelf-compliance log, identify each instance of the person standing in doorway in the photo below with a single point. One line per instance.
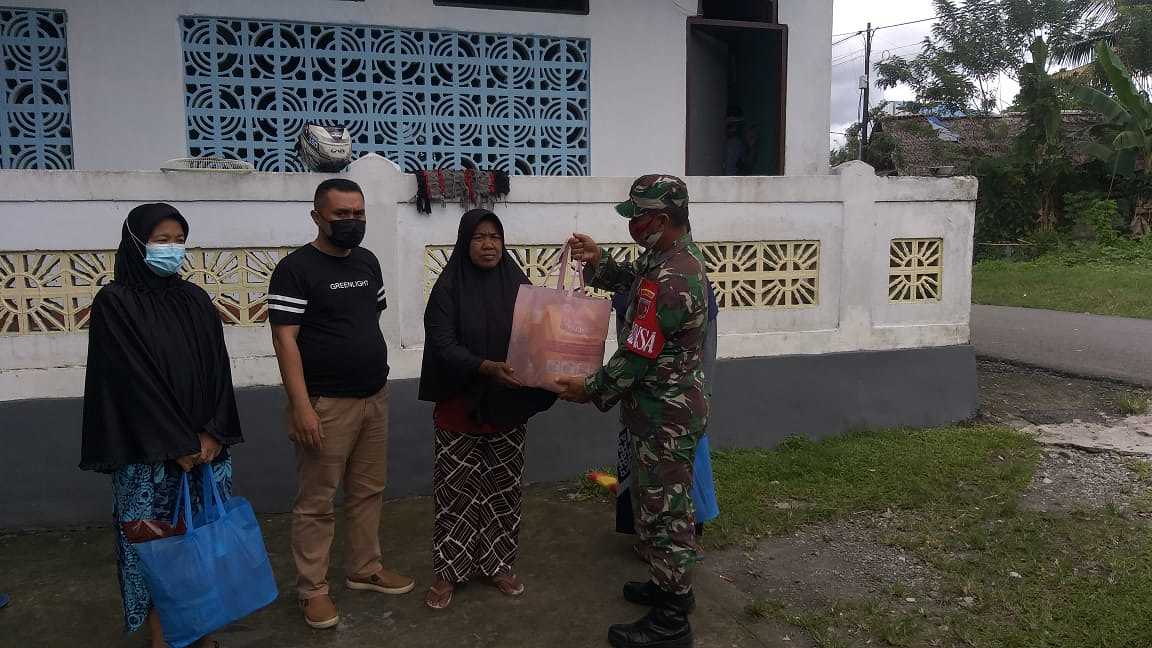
(740, 141)
(657, 377)
(324, 304)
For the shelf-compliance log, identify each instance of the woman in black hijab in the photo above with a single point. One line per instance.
(481, 412)
(158, 396)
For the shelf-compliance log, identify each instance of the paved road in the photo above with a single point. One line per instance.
(1118, 348)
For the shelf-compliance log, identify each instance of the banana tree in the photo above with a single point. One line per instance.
(1124, 140)
(1041, 144)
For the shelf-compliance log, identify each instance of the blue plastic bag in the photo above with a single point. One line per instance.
(216, 573)
(703, 484)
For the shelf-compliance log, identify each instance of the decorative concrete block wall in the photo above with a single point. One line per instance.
(845, 305)
(813, 265)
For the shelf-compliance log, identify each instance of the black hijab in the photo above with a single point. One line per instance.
(158, 372)
(468, 320)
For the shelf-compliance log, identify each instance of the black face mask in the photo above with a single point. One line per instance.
(348, 233)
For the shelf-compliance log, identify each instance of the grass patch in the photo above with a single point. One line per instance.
(1132, 404)
(1141, 468)
(1086, 580)
(772, 492)
(1009, 578)
(848, 624)
(1102, 289)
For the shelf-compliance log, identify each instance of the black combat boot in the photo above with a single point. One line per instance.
(649, 593)
(665, 626)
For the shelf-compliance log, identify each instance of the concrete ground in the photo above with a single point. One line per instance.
(1115, 348)
(65, 593)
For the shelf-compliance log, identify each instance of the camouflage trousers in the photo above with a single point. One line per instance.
(662, 504)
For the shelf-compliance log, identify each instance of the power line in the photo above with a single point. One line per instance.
(848, 53)
(845, 40)
(910, 22)
(846, 56)
(889, 50)
(884, 27)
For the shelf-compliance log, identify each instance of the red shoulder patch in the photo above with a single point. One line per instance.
(645, 339)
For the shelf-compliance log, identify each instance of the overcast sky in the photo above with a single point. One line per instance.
(848, 57)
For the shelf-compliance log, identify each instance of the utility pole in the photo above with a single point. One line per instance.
(866, 86)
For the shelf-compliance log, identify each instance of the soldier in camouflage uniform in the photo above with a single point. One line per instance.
(657, 378)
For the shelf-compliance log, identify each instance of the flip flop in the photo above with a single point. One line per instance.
(439, 598)
(508, 583)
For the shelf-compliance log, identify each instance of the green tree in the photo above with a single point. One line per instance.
(1040, 146)
(1124, 140)
(881, 152)
(973, 43)
(1124, 25)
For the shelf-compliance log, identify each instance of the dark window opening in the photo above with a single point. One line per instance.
(554, 6)
(743, 10)
(737, 89)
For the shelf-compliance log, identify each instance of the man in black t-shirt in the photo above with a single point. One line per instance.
(324, 303)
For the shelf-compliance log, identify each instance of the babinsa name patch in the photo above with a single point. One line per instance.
(646, 339)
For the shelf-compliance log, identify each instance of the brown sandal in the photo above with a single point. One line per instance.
(508, 583)
(439, 596)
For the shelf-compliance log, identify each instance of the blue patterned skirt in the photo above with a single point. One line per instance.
(149, 492)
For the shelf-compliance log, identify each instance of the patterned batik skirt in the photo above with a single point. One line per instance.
(476, 484)
(149, 492)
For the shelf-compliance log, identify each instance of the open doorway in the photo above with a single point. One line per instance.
(737, 86)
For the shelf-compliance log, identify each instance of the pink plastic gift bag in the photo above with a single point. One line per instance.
(557, 332)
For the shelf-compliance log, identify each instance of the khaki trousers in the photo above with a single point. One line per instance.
(355, 453)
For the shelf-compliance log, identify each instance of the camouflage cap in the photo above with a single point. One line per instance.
(654, 192)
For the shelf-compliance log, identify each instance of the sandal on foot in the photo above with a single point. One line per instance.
(508, 583)
(439, 596)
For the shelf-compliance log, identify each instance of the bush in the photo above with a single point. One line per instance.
(1008, 202)
(1093, 217)
(1047, 242)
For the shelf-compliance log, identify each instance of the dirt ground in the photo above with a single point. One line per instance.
(849, 560)
(64, 584)
(1010, 392)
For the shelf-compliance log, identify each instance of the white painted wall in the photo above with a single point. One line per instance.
(127, 75)
(852, 213)
(809, 78)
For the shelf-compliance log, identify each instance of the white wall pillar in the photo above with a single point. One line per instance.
(858, 188)
(809, 79)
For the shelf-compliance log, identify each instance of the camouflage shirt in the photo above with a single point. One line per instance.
(657, 373)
